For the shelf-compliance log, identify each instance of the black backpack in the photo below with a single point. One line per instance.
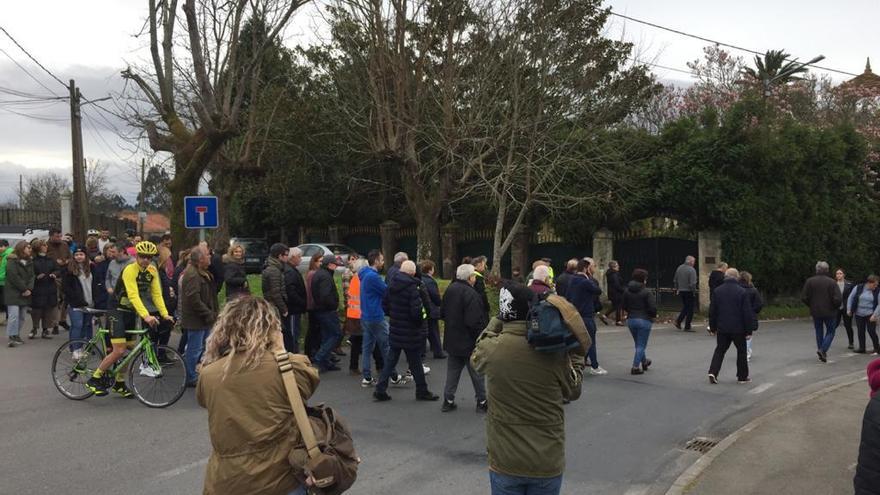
(546, 331)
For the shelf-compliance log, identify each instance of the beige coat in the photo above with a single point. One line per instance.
(251, 425)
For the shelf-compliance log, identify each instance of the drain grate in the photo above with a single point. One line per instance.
(701, 444)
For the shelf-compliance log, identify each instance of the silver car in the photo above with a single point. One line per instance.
(320, 249)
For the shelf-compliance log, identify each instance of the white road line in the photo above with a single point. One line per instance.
(850, 354)
(795, 373)
(182, 469)
(761, 388)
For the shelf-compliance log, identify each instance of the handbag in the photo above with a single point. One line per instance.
(325, 450)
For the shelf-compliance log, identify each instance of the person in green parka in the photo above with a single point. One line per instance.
(18, 288)
(5, 251)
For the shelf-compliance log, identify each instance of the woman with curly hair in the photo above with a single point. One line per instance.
(250, 421)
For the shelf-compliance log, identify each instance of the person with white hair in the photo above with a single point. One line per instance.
(541, 281)
(732, 320)
(464, 320)
(394, 269)
(822, 295)
(408, 333)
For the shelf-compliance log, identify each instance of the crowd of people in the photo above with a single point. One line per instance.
(519, 385)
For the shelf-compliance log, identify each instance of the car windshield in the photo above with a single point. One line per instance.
(254, 247)
(339, 249)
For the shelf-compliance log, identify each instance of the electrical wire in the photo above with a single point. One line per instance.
(34, 59)
(720, 43)
(26, 71)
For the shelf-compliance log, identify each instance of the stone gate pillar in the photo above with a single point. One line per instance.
(449, 240)
(708, 258)
(603, 253)
(66, 218)
(519, 251)
(390, 232)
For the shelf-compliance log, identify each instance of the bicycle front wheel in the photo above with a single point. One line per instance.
(73, 365)
(157, 383)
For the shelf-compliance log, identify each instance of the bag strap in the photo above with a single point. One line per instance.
(296, 404)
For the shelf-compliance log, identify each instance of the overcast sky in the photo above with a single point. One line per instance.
(91, 41)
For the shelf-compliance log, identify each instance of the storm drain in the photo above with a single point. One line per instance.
(701, 444)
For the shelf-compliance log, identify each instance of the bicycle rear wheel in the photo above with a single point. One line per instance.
(155, 384)
(73, 365)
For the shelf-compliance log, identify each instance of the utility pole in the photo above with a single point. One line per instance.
(20, 191)
(80, 203)
(141, 202)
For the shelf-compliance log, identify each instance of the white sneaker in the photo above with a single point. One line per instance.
(148, 371)
(401, 381)
(368, 383)
(598, 371)
(426, 369)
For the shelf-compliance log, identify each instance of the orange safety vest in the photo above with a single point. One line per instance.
(354, 299)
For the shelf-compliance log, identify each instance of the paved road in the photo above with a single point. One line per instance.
(625, 435)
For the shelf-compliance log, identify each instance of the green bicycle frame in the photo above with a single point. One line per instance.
(143, 343)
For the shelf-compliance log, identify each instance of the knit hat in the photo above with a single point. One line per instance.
(513, 302)
(79, 249)
(874, 376)
(326, 260)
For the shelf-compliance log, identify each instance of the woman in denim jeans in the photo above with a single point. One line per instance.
(638, 302)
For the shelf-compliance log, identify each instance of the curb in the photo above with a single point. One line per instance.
(692, 473)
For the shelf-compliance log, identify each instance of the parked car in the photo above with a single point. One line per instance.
(255, 252)
(15, 233)
(310, 250)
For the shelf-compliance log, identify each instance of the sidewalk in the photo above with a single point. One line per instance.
(811, 448)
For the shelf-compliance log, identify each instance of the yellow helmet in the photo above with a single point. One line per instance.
(146, 248)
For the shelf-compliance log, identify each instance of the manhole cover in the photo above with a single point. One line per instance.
(701, 444)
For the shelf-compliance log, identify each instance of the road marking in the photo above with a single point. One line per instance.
(850, 354)
(795, 373)
(761, 388)
(182, 469)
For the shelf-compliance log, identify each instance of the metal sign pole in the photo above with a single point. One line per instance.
(201, 235)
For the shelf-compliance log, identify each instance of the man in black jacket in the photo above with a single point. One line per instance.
(326, 299)
(564, 280)
(273, 279)
(407, 313)
(731, 319)
(824, 298)
(464, 320)
(295, 288)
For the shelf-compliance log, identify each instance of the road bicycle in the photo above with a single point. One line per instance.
(155, 382)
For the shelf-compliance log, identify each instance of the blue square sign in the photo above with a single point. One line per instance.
(200, 212)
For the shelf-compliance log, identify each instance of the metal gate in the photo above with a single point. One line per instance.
(660, 256)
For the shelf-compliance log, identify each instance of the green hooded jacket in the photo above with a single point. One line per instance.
(525, 424)
(3, 255)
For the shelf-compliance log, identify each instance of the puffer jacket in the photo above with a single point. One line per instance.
(19, 278)
(406, 311)
(867, 479)
(45, 289)
(273, 284)
(638, 302)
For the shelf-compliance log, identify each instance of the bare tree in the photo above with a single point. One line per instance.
(549, 85)
(189, 102)
(43, 192)
(399, 73)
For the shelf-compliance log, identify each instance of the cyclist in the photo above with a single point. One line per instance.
(138, 293)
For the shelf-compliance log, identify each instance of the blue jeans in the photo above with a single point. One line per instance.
(590, 322)
(299, 491)
(14, 317)
(640, 330)
(80, 324)
(195, 346)
(824, 339)
(375, 334)
(330, 333)
(503, 484)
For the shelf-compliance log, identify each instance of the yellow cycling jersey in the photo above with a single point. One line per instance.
(140, 289)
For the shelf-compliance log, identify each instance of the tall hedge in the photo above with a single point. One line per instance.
(785, 194)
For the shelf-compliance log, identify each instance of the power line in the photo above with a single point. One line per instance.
(26, 71)
(714, 42)
(32, 58)
(652, 64)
